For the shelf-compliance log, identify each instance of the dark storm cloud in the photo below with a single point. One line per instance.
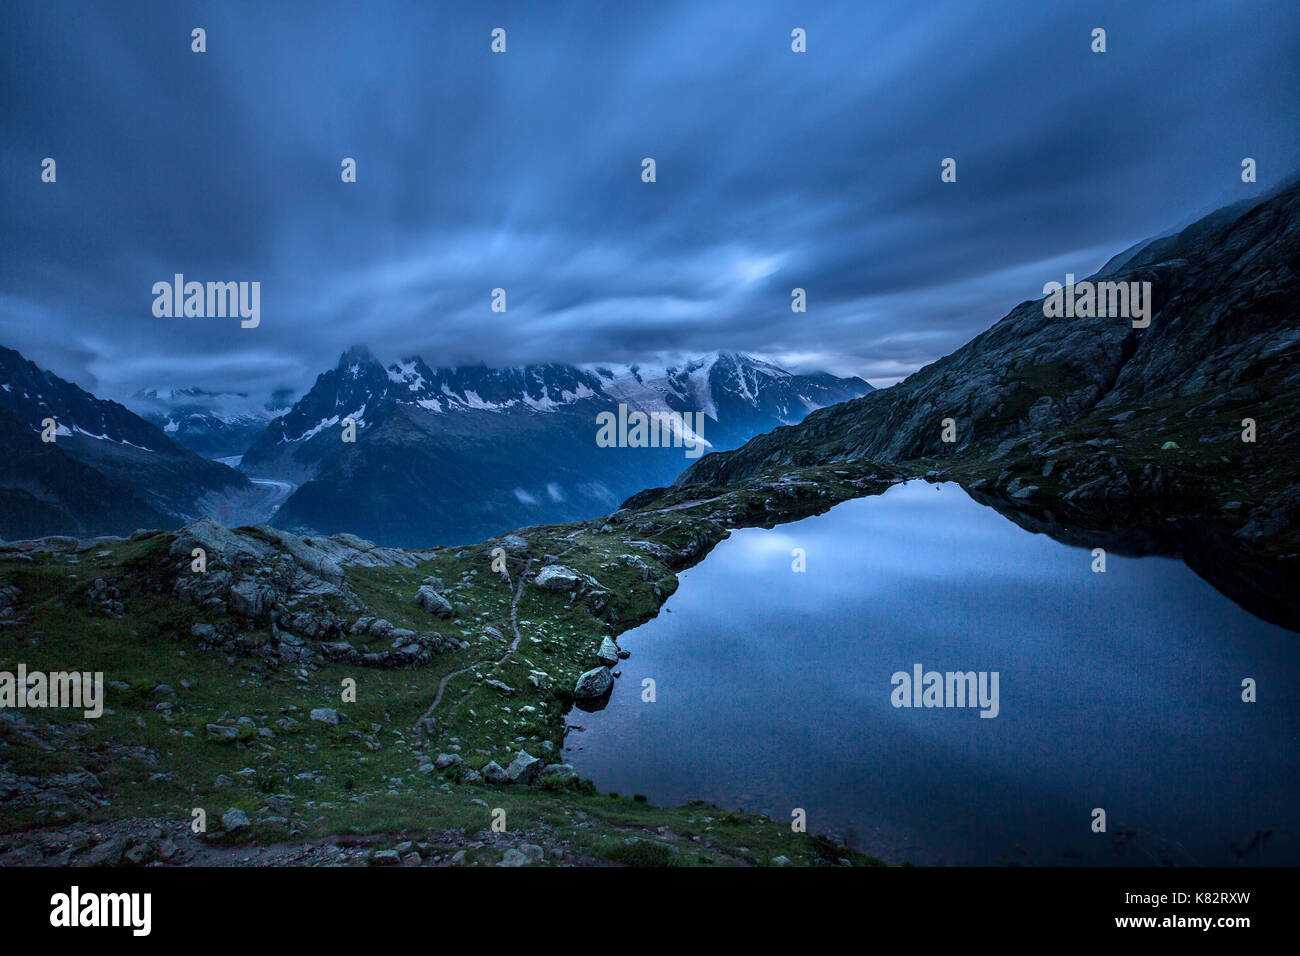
(522, 171)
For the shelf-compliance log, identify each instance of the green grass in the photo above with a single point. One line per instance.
(360, 777)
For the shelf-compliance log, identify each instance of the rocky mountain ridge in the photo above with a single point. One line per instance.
(1195, 414)
(455, 455)
(106, 468)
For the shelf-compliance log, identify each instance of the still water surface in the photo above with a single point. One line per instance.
(1119, 690)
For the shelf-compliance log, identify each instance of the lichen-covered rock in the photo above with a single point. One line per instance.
(251, 598)
(514, 544)
(556, 577)
(234, 820)
(449, 760)
(433, 602)
(608, 654)
(524, 769)
(594, 684)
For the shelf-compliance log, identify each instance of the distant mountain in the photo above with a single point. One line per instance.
(457, 454)
(213, 424)
(107, 467)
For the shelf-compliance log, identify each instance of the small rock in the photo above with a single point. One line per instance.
(220, 732)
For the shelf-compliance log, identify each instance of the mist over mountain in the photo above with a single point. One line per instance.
(106, 467)
(451, 454)
(213, 424)
(443, 454)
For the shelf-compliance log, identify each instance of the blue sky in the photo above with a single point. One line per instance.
(522, 170)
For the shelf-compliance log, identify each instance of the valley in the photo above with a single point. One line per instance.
(227, 686)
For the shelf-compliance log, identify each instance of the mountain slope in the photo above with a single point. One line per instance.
(211, 424)
(45, 491)
(295, 445)
(1083, 409)
(172, 482)
(456, 454)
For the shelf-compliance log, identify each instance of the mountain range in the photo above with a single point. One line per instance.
(1192, 415)
(107, 471)
(214, 424)
(441, 455)
(458, 454)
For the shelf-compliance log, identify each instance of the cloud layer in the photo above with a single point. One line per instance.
(522, 171)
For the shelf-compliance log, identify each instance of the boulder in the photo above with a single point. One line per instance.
(532, 851)
(449, 760)
(108, 853)
(524, 769)
(514, 544)
(251, 598)
(433, 602)
(326, 715)
(608, 654)
(220, 544)
(556, 577)
(494, 773)
(221, 732)
(234, 820)
(595, 683)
